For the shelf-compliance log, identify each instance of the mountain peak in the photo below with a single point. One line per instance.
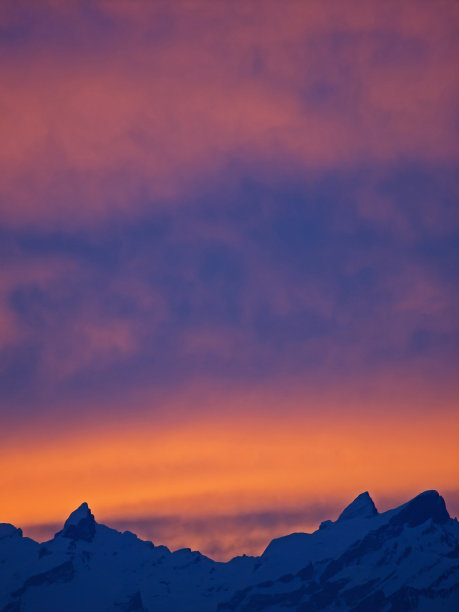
(426, 505)
(77, 515)
(362, 507)
(80, 525)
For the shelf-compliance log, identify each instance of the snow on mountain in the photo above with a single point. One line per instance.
(400, 560)
(362, 507)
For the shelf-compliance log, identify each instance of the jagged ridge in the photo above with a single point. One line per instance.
(403, 559)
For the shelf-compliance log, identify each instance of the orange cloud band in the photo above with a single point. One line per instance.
(226, 465)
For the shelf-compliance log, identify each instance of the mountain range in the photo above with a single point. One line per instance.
(401, 560)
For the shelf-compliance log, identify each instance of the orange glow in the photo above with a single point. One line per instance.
(232, 465)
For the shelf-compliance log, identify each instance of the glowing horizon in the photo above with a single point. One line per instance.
(190, 471)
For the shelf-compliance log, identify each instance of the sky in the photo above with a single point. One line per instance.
(229, 242)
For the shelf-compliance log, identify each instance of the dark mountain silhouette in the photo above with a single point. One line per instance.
(400, 560)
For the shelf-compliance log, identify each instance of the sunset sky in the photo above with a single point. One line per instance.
(229, 244)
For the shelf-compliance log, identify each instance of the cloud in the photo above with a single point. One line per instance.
(171, 97)
(273, 284)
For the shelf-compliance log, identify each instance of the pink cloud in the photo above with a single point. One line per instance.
(20, 273)
(91, 134)
(88, 334)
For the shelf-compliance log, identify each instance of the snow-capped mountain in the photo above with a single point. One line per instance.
(365, 561)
